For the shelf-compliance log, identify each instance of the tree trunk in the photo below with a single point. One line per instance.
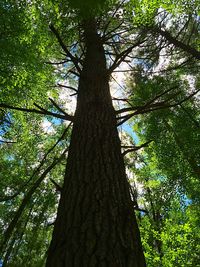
(95, 224)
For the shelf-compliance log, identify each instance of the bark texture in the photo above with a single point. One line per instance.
(95, 225)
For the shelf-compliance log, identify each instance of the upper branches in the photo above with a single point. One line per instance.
(154, 105)
(73, 59)
(121, 56)
(177, 43)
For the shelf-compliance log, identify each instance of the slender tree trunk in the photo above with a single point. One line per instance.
(95, 224)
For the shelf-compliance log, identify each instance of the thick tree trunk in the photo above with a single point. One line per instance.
(95, 225)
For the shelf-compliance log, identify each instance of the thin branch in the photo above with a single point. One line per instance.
(107, 37)
(26, 200)
(58, 187)
(142, 210)
(123, 110)
(57, 63)
(120, 99)
(168, 106)
(73, 94)
(159, 106)
(17, 238)
(56, 105)
(74, 73)
(114, 13)
(118, 83)
(68, 87)
(135, 148)
(125, 118)
(120, 57)
(185, 47)
(44, 110)
(41, 111)
(6, 198)
(64, 47)
(196, 123)
(7, 142)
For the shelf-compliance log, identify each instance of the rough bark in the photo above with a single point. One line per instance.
(95, 224)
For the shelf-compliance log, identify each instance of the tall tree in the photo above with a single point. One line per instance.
(95, 224)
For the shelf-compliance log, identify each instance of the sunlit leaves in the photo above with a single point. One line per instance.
(146, 12)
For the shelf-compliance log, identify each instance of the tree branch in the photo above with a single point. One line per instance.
(7, 142)
(41, 111)
(185, 47)
(58, 108)
(196, 123)
(6, 198)
(74, 60)
(135, 148)
(154, 107)
(26, 200)
(68, 87)
(142, 210)
(120, 57)
(148, 104)
(58, 187)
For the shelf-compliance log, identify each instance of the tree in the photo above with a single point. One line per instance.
(96, 224)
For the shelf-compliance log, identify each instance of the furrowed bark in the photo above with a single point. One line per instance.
(95, 224)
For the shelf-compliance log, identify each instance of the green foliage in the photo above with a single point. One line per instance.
(23, 72)
(179, 236)
(144, 12)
